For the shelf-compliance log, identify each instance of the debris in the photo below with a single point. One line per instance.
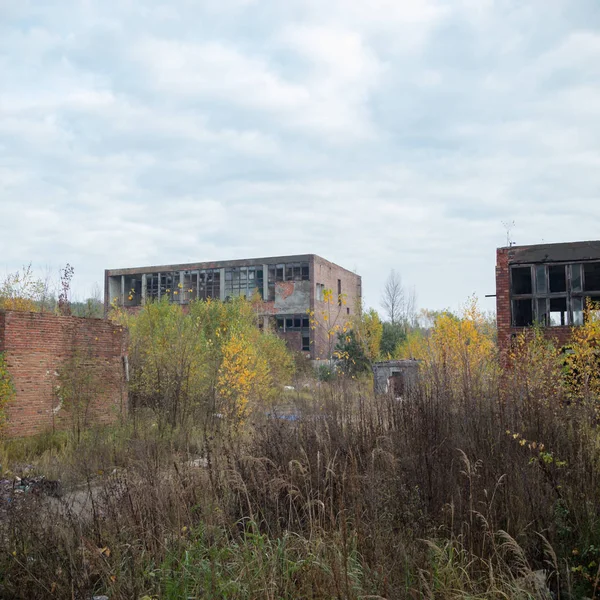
(197, 462)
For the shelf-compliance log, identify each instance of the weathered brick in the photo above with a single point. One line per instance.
(35, 345)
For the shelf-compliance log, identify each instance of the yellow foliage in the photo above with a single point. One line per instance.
(458, 352)
(583, 359)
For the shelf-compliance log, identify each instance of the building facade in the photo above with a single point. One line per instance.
(547, 284)
(288, 288)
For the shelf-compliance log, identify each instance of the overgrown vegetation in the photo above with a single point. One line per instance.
(22, 290)
(7, 389)
(468, 487)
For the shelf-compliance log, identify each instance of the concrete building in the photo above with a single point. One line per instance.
(288, 286)
(395, 377)
(546, 284)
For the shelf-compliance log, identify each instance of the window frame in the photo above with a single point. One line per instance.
(575, 298)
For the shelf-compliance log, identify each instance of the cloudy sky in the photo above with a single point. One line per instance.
(382, 134)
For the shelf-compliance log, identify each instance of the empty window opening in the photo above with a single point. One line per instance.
(306, 343)
(591, 274)
(558, 312)
(339, 292)
(320, 292)
(558, 279)
(279, 270)
(522, 312)
(521, 280)
(305, 272)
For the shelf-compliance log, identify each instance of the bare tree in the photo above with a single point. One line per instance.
(393, 297)
(398, 303)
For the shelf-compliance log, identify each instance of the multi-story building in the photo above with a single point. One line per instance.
(546, 284)
(288, 287)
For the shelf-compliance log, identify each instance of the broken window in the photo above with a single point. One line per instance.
(558, 312)
(541, 285)
(577, 309)
(321, 292)
(339, 292)
(152, 286)
(279, 272)
(558, 279)
(306, 343)
(555, 295)
(132, 290)
(591, 275)
(209, 283)
(241, 281)
(305, 272)
(521, 280)
(260, 281)
(522, 312)
(190, 286)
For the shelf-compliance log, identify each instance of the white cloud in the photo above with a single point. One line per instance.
(382, 135)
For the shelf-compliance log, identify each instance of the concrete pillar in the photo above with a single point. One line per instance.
(222, 284)
(144, 285)
(122, 290)
(265, 282)
(159, 286)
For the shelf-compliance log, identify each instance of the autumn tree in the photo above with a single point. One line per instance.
(457, 353)
(210, 359)
(21, 290)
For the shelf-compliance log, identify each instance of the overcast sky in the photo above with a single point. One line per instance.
(379, 134)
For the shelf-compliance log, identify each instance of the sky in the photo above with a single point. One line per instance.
(388, 134)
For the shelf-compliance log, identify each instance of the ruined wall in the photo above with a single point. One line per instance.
(504, 258)
(292, 297)
(293, 339)
(36, 346)
(327, 274)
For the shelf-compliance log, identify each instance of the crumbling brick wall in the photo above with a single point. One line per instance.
(37, 346)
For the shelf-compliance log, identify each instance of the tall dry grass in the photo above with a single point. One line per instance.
(474, 485)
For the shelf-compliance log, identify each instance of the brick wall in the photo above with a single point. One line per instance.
(560, 335)
(327, 273)
(503, 316)
(36, 346)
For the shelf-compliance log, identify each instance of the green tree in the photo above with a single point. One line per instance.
(392, 335)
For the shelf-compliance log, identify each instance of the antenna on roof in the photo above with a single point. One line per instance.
(509, 226)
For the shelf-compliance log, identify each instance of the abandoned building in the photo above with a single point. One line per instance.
(547, 284)
(395, 377)
(288, 288)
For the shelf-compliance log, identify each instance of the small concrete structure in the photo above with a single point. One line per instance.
(395, 376)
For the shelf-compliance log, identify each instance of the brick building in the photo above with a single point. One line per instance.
(38, 346)
(546, 284)
(288, 286)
